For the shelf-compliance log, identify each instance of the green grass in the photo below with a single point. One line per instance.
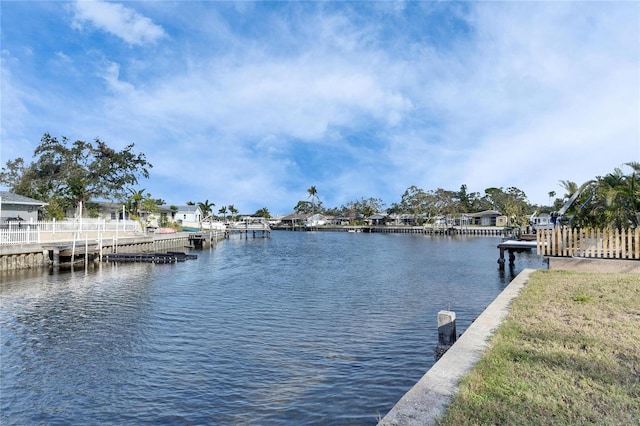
(567, 354)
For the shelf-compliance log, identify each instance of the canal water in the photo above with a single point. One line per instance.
(300, 328)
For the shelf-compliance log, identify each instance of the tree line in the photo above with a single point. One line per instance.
(612, 200)
(64, 174)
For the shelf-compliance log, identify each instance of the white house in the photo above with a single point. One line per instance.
(316, 220)
(541, 221)
(188, 214)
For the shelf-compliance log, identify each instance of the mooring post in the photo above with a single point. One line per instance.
(446, 328)
(56, 257)
(446, 332)
(501, 258)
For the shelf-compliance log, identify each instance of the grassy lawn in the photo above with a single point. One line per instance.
(568, 353)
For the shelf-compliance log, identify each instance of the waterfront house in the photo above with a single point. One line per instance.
(190, 214)
(341, 220)
(17, 208)
(316, 220)
(377, 219)
(295, 219)
(115, 211)
(488, 218)
(402, 219)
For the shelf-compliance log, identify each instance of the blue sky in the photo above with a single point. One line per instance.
(252, 103)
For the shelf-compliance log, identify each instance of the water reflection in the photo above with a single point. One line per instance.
(301, 328)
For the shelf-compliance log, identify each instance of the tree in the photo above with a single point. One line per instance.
(364, 207)
(149, 205)
(263, 212)
(303, 207)
(313, 194)
(134, 203)
(206, 208)
(65, 174)
(464, 199)
(414, 201)
(612, 201)
(223, 212)
(233, 211)
(569, 186)
(511, 202)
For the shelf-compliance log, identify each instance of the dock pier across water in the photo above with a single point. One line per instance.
(257, 228)
(514, 246)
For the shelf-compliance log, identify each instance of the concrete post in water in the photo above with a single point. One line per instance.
(56, 257)
(446, 328)
(446, 332)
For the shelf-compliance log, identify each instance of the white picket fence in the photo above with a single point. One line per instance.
(13, 233)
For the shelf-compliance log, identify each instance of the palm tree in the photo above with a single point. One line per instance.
(206, 208)
(313, 194)
(223, 212)
(233, 211)
(570, 187)
(263, 212)
(135, 202)
(611, 201)
(551, 195)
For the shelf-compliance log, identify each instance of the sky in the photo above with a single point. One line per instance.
(252, 103)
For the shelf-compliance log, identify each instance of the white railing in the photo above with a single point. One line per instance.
(23, 235)
(84, 225)
(36, 232)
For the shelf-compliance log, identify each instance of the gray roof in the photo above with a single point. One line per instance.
(187, 208)
(11, 198)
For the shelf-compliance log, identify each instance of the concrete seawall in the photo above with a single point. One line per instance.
(428, 398)
(27, 256)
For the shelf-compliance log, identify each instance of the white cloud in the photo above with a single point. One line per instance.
(251, 106)
(121, 21)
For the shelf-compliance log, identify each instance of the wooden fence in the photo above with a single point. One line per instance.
(607, 243)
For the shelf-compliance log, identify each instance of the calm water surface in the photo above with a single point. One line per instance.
(300, 328)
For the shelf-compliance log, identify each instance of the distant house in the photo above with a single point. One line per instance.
(190, 214)
(316, 220)
(15, 208)
(295, 219)
(541, 221)
(341, 220)
(377, 219)
(401, 219)
(488, 218)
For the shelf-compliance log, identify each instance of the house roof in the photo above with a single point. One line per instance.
(378, 216)
(187, 208)
(11, 198)
(486, 213)
(295, 216)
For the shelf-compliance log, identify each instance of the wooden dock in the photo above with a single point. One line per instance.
(256, 227)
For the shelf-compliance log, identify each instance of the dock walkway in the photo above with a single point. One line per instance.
(514, 246)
